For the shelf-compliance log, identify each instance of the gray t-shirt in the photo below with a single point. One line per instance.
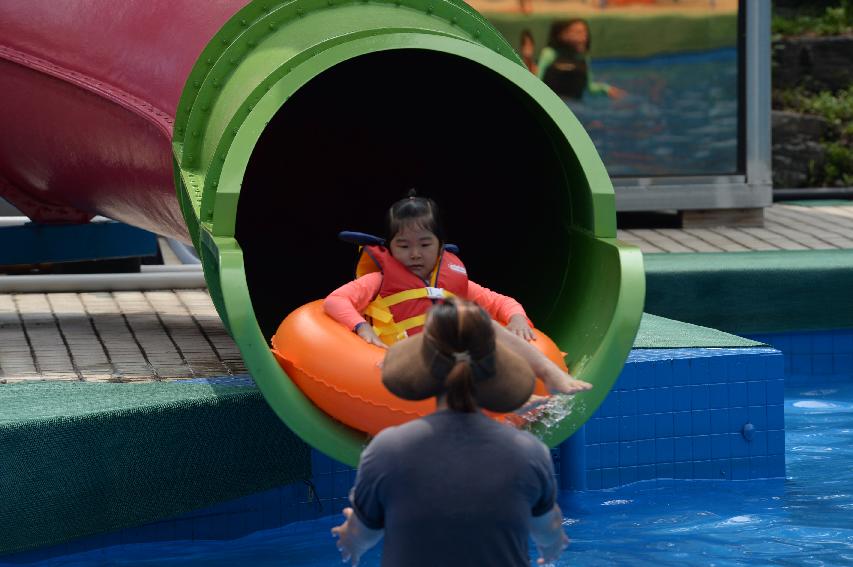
(454, 489)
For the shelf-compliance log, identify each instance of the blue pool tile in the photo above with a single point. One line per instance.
(273, 517)
(684, 470)
(842, 342)
(609, 478)
(758, 445)
(781, 341)
(699, 397)
(700, 370)
(736, 369)
(702, 448)
(703, 469)
(680, 398)
(628, 378)
(776, 466)
(774, 365)
(593, 456)
(756, 393)
(701, 422)
(665, 470)
(758, 467)
(755, 368)
(758, 417)
(775, 391)
(738, 394)
(682, 449)
(663, 372)
(646, 426)
(738, 445)
(342, 485)
(801, 344)
(680, 372)
(628, 428)
(320, 463)
(720, 447)
(610, 454)
(717, 370)
(682, 423)
(737, 418)
(664, 449)
(775, 417)
(646, 472)
(289, 514)
(718, 396)
(801, 364)
(254, 522)
(628, 454)
(627, 402)
(593, 430)
(627, 475)
(593, 479)
(645, 375)
(646, 401)
(610, 407)
(609, 431)
(723, 468)
(323, 485)
(842, 364)
(822, 364)
(646, 454)
(740, 469)
(663, 424)
(775, 442)
(663, 400)
(719, 420)
(822, 342)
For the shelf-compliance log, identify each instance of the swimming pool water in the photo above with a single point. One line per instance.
(806, 519)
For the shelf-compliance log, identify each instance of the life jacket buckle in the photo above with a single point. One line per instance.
(435, 293)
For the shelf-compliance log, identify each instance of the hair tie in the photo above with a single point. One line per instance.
(463, 356)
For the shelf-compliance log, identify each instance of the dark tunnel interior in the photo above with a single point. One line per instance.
(359, 136)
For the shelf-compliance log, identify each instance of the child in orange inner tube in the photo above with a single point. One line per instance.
(415, 272)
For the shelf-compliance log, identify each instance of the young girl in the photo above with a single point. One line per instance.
(415, 272)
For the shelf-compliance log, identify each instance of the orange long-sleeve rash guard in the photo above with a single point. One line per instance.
(347, 303)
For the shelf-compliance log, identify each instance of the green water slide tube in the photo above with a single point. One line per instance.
(304, 118)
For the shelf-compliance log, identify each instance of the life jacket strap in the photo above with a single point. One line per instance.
(379, 310)
(392, 332)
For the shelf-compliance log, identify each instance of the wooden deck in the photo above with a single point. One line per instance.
(786, 227)
(113, 337)
(176, 334)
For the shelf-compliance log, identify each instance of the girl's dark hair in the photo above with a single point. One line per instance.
(526, 34)
(421, 212)
(557, 28)
(460, 326)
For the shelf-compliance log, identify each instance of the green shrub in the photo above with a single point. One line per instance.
(834, 21)
(837, 108)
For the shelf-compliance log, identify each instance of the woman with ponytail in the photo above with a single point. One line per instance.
(455, 487)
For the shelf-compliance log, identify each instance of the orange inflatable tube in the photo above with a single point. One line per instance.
(341, 373)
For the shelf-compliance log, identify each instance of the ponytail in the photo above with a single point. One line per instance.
(460, 388)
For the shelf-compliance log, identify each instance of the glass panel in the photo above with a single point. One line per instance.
(654, 82)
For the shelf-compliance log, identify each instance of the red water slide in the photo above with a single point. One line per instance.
(89, 90)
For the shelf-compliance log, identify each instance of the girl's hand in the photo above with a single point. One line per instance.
(517, 325)
(365, 331)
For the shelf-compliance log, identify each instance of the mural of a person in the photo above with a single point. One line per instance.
(564, 64)
(527, 50)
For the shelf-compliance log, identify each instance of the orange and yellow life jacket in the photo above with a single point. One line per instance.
(399, 309)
